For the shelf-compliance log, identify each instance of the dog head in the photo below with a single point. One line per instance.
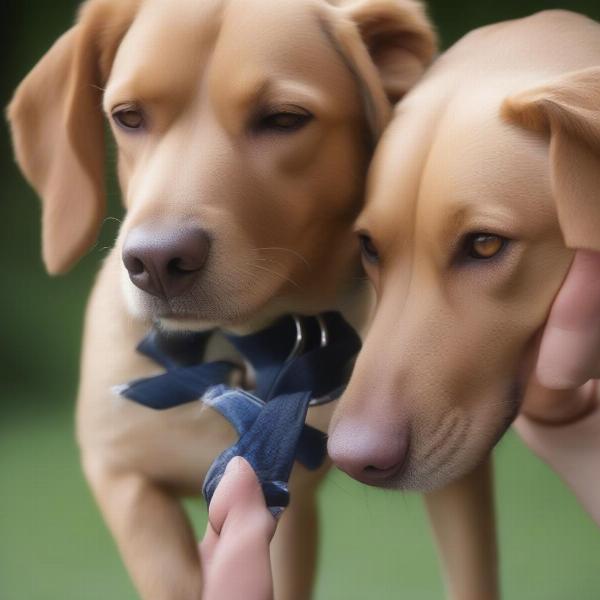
(488, 174)
(244, 129)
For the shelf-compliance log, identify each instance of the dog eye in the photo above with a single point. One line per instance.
(285, 122)
(484, 246)
(129, 117)
(368, 248)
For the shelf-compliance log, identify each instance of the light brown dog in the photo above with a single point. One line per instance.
(244, 129)
(487, 176)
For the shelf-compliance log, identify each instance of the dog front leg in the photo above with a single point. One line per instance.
(294, 547)
(152, 531)
(294, 550)
(462, 517)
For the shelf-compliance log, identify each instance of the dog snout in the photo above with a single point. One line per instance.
(368, 453)
(165, 262)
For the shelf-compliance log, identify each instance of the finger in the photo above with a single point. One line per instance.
(239, 514)
(570, 349)
(555, 443)
(208, 546)
(558, 407)
(572, 451)
(239, 499)
(240, 568)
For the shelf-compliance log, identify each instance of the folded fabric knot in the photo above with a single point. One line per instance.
(296, 361)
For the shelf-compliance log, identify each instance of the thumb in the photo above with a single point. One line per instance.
(570, 349)
(239, 498)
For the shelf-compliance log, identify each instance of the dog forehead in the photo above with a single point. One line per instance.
(283, 40)
(165, 46)
(482, 167)
(449, 154)
(539, 46)
(396, 173)
(166, 51)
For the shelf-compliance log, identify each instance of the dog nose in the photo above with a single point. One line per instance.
(370, 454)
(165, 263)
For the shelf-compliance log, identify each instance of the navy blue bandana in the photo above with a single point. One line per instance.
(297, 361)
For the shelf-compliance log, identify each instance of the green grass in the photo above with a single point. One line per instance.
(375, 545)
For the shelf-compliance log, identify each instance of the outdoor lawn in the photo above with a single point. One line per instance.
(376, 545)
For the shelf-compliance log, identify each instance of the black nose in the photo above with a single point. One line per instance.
(165, 262)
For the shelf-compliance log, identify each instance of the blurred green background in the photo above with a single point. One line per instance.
(375, 545)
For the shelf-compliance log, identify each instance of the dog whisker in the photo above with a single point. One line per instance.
(281, 276)
(289, 251)
(277, 264)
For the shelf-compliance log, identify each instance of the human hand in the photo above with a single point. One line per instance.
(570, 350)
(235, 548)
(569, 353)
(571, 449)
(560, 416)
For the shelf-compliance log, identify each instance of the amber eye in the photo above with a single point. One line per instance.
(368, 248)
(483, 246)
(129, 117)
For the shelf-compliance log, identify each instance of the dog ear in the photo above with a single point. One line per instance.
(400, 39)
(388, 44)
(58, 133)
(568, 111)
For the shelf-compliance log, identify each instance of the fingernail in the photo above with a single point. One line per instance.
(233, 466)
(236, 465)
(567, 358)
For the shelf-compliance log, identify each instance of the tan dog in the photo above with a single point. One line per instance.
(244, 130)
(488, 175)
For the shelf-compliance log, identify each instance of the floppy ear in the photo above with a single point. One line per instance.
(400, 39)
(568, 110)
(388, 44)
(58, 134)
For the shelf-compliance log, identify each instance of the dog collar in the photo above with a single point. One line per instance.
(297, 361)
